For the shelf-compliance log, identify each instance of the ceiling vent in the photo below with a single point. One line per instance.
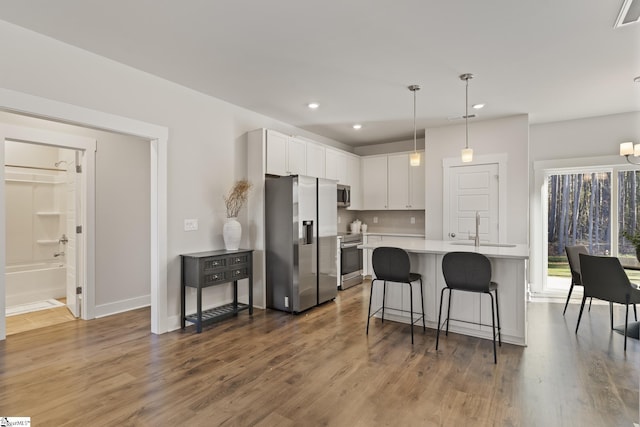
(462, 117)
(629, 13)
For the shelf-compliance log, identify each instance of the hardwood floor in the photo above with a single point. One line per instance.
(319, 369)
(39, 319)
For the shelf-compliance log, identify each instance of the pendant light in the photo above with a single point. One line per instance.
(467, 153)
(414, 158)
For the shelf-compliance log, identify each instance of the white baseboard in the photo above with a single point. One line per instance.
(122, 306)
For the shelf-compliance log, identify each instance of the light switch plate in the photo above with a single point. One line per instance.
(190, 224)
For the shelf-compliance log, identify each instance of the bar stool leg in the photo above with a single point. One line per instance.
(384, 297)
(439, 317)
(424, 326)
(411, 308)
(448, 311)
(498, 317)
(370, 299)
(493, 330)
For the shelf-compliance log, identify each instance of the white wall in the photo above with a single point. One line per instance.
(572, 143)
(207, 137)
(509, 136)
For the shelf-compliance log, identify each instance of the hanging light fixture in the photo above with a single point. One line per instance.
(630, 149)
(467, 153)
(414, 158)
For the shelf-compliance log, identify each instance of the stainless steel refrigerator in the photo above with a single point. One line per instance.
(301, 242)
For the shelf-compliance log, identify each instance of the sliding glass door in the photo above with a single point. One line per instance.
(590, 207)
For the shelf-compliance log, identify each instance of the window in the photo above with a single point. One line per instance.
(580, 208)
(628, 214)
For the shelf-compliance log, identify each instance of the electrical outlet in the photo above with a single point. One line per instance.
(190, 224)
(413, 220)
(286, 302)
(375, 219)
(339, 220)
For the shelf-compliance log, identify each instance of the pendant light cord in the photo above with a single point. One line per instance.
(466, 114)
(415, 149)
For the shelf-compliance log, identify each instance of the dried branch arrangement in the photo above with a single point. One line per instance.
(237, 197)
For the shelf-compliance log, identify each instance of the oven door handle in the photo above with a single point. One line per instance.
(350, 245)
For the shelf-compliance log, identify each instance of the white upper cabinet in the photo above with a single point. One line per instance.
(336, 166)
(398, 179)
(315, 160)
(374, 183)
(390, 182)
(286, 155)
(277, 153)
(354, 179)
(297, 156)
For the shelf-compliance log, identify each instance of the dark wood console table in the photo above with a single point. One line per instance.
(203, 269)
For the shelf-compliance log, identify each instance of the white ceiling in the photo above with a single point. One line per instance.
(554, 60)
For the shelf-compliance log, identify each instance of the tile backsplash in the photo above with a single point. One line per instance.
(387, 221)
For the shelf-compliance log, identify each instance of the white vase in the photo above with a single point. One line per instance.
(231, 233)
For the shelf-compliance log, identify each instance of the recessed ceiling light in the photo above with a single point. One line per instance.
(357, 126)
(477, 106)
(313, 105)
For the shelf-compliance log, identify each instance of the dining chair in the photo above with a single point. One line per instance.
(573, 253)
(604, 278)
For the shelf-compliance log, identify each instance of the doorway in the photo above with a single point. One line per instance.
(591, 206)
(22, 103)
(45, 198)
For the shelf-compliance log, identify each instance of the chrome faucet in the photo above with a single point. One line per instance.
(57, 254)
(64, 240)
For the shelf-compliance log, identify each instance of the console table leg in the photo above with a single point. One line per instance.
(199, 310)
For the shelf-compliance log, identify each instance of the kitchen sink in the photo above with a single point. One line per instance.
(495, 245)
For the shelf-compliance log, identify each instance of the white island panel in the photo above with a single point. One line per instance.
(509, 271)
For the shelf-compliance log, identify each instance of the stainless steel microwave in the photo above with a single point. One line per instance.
(344, 196)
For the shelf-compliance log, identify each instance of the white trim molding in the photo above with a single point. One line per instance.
(21, 103)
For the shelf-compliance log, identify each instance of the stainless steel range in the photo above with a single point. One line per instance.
(350, 260)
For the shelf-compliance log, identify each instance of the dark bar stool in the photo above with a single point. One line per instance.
(469, 272)
(393, 265)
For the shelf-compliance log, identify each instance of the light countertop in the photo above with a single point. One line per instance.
(373, 233)
(516, 251)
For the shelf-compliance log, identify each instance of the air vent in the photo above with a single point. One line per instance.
(629, 13)
(454, 118)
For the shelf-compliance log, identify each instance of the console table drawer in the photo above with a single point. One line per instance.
(238, 259)
(238, 273)
(213, 278)
(214, 263)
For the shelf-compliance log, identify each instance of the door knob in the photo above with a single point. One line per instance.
(452, 234)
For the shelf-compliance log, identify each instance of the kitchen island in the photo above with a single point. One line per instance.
(509, 267)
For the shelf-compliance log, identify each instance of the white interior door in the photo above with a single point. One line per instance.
(471, 189)
(75, 244)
